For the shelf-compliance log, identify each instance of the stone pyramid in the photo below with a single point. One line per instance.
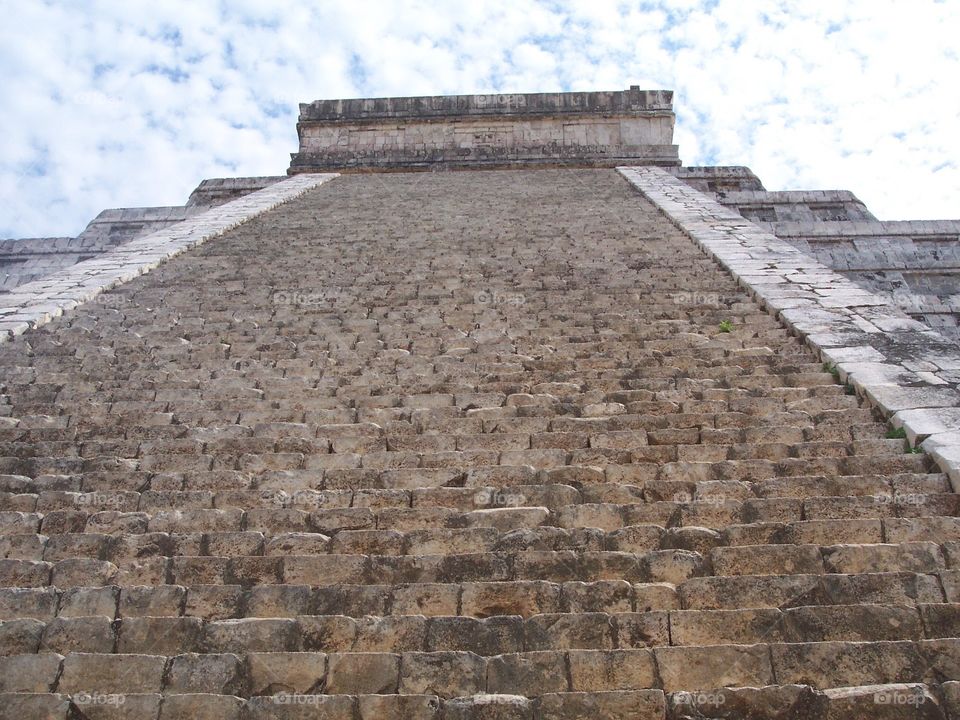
(550, 440)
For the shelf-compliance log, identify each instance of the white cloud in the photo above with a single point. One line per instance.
(112, 104)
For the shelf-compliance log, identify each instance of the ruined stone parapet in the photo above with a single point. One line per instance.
(718, 178)
(216, 191)
(26, 260)
(119, 225)
(797, 206)
(598, 129)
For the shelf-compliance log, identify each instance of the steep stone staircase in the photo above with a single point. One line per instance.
(459, 445)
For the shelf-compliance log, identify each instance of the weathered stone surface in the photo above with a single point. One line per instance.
(489, 707)
(564, 631)
(111, 674)
(16, 706)
(487, 637)
(851, 622)
(83, 634)
(532, 673)
(168, 635)
(201, 707)
(208, 673)
(100, 706)
(892, 701)
(639, 704)
(527, 598)
(842, 664)
(89, 601)
(596, 670)
(446, 674)
(716, 627)
(778, 701)
(702, 668)
(29, 673)
(18, 637)
(279, 672)
(414, 707)
(301, 707)
(469, 441)
(362, 673)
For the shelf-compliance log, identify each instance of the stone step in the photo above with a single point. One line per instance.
(458, 389)
(708, 460)
(220, 602)
(331, 417)
(444, 382)
(607, 402)
(790, 405)
(771, 591)
(346, 561)
(114, 535)
(479, 599)
(451, 674)
(903, 701)
(503, 521)
(552, 487)
(485, 636)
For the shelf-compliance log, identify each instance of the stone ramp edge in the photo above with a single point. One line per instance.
(37, 303)
(903, 367)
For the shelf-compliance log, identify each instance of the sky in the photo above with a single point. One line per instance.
(123, 103)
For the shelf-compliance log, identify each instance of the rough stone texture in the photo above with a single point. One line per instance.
(464, 445)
